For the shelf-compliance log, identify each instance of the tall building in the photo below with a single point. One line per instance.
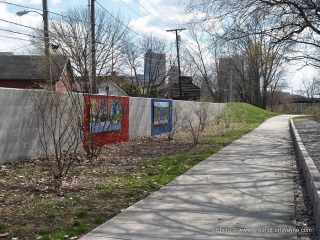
(228, 73)
(154, 68)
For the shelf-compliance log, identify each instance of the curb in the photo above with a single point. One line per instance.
(310, 173)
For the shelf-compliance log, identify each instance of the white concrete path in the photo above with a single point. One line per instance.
(245, 191)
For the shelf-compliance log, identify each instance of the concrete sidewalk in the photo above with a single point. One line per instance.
(245, 191)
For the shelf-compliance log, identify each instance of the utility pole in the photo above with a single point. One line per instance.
(88, 49)
(47, 42)
(231, 78)
(93, 49)
(178, 57)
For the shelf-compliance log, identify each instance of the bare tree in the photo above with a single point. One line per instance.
(70, 35)
(65, 127)
(275, 89)
(58, 131)
(258, 61)
(132, 54)
(288, 21)
(157, 64)
(310, 87)
(200, 61)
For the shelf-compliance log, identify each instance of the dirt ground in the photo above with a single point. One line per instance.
(28, 199)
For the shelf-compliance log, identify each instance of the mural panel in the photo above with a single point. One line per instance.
(105, 115)
(106, 119)
(161, 114)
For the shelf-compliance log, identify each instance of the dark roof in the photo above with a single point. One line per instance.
(26, 67)
(189, 90)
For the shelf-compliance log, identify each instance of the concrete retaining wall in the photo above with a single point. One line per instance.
(16, 124)
(310, 172)
(139, 117)
(19, 135)
(18, 130)
(189, 109)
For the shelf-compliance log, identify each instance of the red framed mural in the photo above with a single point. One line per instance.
(106, 119)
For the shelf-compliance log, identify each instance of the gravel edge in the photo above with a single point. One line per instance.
(309, 132)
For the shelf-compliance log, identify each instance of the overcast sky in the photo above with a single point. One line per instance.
(146, 17)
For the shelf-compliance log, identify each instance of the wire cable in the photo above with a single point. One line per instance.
(37, 9)
(6, 30)
(152, 14)
(119, 20)
(21, 25)
(136, 12)
(17, 5)
(41, 10)
(15, 38)
(160, 12)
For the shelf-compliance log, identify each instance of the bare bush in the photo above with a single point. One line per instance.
(192, 129)
(58, 128)
(178, 120)
(314, 110)
(202, 112)
(226, 117)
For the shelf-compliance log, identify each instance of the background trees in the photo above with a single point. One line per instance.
(288, 21)
(251, 39)
(70, 33)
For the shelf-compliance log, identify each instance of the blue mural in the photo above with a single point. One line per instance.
(161, 116)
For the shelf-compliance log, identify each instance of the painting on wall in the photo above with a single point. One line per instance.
(106, 119)
(161, 112)
(161, 116)
(105, 115)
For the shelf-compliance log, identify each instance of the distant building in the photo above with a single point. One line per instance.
(6, 53)
(29, 71)
(141, 79)
(109, 88)
(154, 68)
(189, 90)
(229, 69)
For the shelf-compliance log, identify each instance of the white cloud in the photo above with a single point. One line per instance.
(55, 2)
(13, 32)
(126, 1)
(160, 15)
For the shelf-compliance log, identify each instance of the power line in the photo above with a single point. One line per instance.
(17, 32)
(21, 25)
(160, 12)
(15, 38)
(80, 20)
(151, 13)
(41, 10)
(119, 20)
(33, 36)
(136, 12)
(122, 23)
(17, 5)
